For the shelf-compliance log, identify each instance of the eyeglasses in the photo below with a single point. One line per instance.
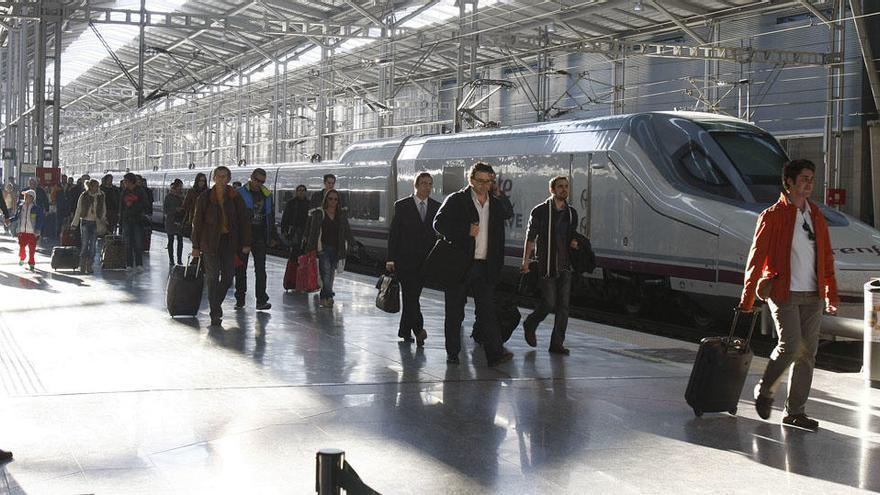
(482, 181)
(810, 234)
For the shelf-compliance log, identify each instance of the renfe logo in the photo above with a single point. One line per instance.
(875, 249)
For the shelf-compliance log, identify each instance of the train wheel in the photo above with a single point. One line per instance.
(700, 318)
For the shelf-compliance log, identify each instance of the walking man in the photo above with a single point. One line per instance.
(132, 209)
(791, 266)
(221, 228)
(473, 221)
(318, 196)
(260, 207)
(552, 225)
(411, 239)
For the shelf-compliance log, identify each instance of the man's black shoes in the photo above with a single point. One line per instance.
(801, 421)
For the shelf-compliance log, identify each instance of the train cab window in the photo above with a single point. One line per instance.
(700, 171)
(759, 160)
(453, 179)
(363, 205)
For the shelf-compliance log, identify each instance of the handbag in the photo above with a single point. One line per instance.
(388, 298)
(445, 265)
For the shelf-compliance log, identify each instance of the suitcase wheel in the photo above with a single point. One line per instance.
(698, 412)
(732, 412)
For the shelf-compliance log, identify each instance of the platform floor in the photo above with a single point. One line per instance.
(103, 393)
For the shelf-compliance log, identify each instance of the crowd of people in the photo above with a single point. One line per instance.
(790, 265)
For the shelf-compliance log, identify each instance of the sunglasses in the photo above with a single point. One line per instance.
(810, 234)
(261, 181)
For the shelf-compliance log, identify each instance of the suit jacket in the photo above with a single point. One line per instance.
(453, 222)
(411, 239)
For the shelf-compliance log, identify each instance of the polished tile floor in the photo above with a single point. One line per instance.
(104, 393)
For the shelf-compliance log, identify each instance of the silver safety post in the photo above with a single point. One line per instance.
(871, 356)
(328, 471)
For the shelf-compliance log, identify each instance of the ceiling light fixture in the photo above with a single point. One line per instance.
(638, 6)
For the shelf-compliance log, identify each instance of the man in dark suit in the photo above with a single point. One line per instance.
(411, 239)
(473, 221)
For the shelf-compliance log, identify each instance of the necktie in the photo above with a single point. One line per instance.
(422, 210)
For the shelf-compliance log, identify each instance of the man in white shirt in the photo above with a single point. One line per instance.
(473, 221)
(791, 266)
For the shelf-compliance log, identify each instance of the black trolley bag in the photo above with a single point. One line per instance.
(720, 371)
(65, 258)
(183, 295)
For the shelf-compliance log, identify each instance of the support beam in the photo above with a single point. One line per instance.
(364, 12)
(867, 53)
(675, 20)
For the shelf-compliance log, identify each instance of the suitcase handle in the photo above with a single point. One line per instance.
(736, 312)
(189, 264)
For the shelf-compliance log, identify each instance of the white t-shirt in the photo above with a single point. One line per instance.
(803, 253)
(481, 247)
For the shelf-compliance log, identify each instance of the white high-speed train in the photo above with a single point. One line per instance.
(669, 199)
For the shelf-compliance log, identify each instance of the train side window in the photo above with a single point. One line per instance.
(453, 179)
(364, 205)
(701, 171)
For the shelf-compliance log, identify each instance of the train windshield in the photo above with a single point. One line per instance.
(759, 160)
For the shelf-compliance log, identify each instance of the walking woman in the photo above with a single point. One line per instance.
(10, 201)
(330, 235)
(189, 203)
(91, 217)
(172, 206)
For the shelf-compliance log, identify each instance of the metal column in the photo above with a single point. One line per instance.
(321, 102)
(142, 47)
(56, 97)
(39, 113)
(833, 138)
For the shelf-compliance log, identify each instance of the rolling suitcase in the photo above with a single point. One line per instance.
(113, 253)
(290, 275)
(183, 294)
(65, 258)
(720, 370)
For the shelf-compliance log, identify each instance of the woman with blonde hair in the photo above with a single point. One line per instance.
(91, 217)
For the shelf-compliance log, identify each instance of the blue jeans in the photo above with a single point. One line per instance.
(89, 234)
(327, 263)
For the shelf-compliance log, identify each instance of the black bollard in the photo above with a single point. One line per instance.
(328, 469)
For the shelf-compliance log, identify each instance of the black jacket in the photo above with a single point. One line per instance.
(542, 228)
(295, 217)
(411, 239)
(453, 222)
(133, 205)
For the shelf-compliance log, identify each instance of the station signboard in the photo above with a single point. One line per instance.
(48, 176)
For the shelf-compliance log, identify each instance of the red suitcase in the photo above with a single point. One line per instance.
(307, 273)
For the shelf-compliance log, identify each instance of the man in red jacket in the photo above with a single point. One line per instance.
(791, 266)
